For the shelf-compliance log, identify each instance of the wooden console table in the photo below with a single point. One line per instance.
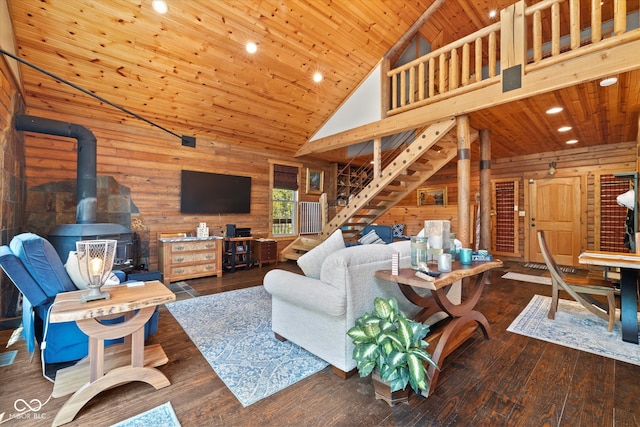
(629, 265)
(464, 319)
(119, 364)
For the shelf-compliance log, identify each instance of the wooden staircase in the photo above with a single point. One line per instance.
(431, 150)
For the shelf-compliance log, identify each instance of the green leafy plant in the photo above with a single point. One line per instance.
(394, 345)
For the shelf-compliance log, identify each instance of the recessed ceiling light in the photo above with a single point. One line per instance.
(554, 110)
(564, 129)
(317, 77)
(251, 47)
(572, 141)
(159, 6)
(492, 14)
(608, 81)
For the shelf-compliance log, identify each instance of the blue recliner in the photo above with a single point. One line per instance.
(34, 266)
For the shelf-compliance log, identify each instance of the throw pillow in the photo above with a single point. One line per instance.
(311, 262)
(397, 230)
(73, 270)
(371, 238)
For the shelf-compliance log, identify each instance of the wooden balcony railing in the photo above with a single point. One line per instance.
(476, 60)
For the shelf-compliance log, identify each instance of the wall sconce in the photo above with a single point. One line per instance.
(552, 168)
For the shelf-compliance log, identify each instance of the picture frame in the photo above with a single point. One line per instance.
(432, 196)
(315, 181)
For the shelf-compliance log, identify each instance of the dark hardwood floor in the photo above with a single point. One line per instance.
(509, 380)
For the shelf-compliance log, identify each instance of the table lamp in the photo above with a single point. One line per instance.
(95, 260)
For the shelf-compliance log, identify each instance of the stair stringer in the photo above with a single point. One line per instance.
(398, 179)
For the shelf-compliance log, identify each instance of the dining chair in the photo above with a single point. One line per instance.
(580, 289)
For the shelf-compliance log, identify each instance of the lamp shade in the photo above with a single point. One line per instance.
(95, 261)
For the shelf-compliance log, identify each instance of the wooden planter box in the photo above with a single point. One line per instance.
(383, 391)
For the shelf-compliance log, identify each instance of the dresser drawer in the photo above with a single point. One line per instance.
(188, 257)
(192, 246)
(190, 270)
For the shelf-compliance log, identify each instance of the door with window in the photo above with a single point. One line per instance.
(556, 206)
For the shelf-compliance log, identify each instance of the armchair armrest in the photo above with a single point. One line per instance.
(307, 292)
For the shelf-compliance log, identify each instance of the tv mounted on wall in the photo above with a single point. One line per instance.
(213, 193)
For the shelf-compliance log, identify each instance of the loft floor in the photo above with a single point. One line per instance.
(510, 380)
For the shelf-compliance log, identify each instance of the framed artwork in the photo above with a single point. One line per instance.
(315, 181)
(433, 196)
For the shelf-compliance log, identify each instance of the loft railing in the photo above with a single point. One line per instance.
(475, 61)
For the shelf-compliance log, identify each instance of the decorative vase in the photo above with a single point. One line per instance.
(383, 391)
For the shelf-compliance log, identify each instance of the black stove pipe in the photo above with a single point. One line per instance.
(87, 185)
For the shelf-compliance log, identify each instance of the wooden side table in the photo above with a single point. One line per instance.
(265, 251)
(102, 370)
(464, 319)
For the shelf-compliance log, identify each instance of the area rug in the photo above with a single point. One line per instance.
(539, 266)
(527, 278)
(162, 415)
(574, 327)
(233, 332)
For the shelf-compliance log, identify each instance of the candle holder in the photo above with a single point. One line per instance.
(95, 260)
(437, 232)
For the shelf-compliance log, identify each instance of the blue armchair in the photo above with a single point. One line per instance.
(34, 266)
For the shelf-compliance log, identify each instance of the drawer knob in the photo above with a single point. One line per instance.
(179, 271)
(180, 248)
(179, 259)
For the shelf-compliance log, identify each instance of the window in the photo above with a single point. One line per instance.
(284, 200)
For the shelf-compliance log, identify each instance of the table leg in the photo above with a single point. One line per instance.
(629, 304)
(455, 333)
(100, 381)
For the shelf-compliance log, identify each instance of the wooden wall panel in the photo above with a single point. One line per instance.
(583, 162)
(148, 162)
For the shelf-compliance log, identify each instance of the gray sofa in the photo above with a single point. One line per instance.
(316, 313)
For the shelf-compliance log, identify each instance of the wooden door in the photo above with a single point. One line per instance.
(555, 206)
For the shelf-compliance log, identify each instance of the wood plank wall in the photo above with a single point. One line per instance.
(583, 162)
(148, 162)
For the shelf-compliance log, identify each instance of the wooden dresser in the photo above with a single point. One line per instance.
(189, 257)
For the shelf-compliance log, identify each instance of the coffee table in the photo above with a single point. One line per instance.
(119, 364)
(464, 320)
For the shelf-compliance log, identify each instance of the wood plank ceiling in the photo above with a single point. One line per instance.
(188, 70)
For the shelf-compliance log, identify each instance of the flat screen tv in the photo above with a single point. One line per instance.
(213, 193)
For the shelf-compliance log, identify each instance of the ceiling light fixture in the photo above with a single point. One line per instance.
(554, 110)
(552, 168)
(572, 141)
(317, 77)
(159, 6)
(493, 14)
(608, 81)
(564, 129)
(251, 47)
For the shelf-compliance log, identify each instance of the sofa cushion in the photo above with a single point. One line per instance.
(43, 263)
(311, 262)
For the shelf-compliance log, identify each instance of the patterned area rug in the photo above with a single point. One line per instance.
(233, 332)
(162, 415)
(574, 327)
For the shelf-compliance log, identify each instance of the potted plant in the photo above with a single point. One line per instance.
(389, 344)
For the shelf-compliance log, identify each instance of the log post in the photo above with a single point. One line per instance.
(464, 180)
(485, 189)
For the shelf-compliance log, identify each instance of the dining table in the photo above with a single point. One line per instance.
(629, 264)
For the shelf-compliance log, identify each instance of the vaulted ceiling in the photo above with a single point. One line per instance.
(188, 69)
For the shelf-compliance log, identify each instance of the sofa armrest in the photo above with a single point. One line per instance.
(307, 292)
